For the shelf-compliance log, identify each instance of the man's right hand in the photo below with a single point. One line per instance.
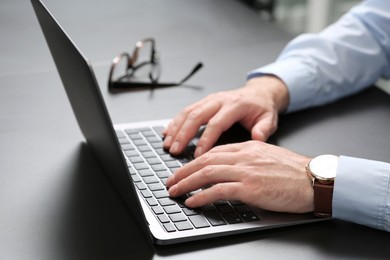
(255, 106)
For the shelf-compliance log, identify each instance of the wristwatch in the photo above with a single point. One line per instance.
(322, 171)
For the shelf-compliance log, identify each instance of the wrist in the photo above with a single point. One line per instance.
(275, 87)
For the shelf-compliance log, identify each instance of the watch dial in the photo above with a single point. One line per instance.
(324, 167)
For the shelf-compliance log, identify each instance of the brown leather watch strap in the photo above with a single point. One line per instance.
(323, 196)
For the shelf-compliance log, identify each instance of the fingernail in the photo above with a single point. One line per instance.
(175, 147)
(173, 190)
(169, 181)
(167, 141)
(189, 201)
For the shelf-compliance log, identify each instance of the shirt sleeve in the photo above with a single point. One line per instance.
(342, 59)
(361, 192)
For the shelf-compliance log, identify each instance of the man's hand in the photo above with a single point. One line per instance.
(254, 172)
(255, 106)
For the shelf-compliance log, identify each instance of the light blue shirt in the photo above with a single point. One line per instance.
(346, 57)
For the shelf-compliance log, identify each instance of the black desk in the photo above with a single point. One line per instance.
(55, 202)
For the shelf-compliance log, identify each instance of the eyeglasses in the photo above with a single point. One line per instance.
(126, 72)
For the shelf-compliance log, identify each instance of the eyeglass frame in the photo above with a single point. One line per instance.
(154, 61)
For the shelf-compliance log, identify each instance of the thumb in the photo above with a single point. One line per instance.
(264, 128)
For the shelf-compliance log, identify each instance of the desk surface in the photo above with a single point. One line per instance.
(55, 201)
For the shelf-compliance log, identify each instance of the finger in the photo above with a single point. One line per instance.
(200, 163)
(265, 127)
(209, 175)
(225, 148)
(179, 119)
(221, 191)
(188, 124)
(219, 123)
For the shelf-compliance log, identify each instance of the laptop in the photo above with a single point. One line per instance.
(132, 156)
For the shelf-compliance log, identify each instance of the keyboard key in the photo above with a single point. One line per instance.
(127, 147)
(141, 166)
(243, 209)
(139, 142)
(132, 171)
(163, 174)
(169, 227)
(140, 185)
(167, 158)
(177, 217)
(163, 218)
(148, 132)
(152, 161)
(208, 207)
(157, 145)
(135, 136)
(136, 178)
(172, 209)
(149, 154)
(161, 151)
(173, 164)
(152, 201)
(156, 186)
(144, 148)
(180, 201)
(159, 167)
(225, 209)
(161, 194)
(159, 130)
(146, 194)
(157, 210)
(119, 134)
(199, 221)
(153, 139)
(123, 141)
(183, 225)
(136, 159)
(249, 216)
(151, 179)
(133, 131)
(131, 153)
(166, 202)
(145, 173)
(214, 218)
(232, 218)
(191, 212)
(164, 181)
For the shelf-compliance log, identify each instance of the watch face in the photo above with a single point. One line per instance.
(324, 167)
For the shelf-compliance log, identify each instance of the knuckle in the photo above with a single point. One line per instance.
(204, 160)
(194, 114)
(181, 136)
(214, 122)
(207, 172)
(220, 191)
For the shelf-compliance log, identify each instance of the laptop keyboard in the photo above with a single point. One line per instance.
(150, 165)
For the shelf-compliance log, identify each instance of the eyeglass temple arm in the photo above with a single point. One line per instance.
(193, 71)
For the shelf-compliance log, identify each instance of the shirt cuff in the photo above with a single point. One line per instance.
(361, 192)
(299, 78)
